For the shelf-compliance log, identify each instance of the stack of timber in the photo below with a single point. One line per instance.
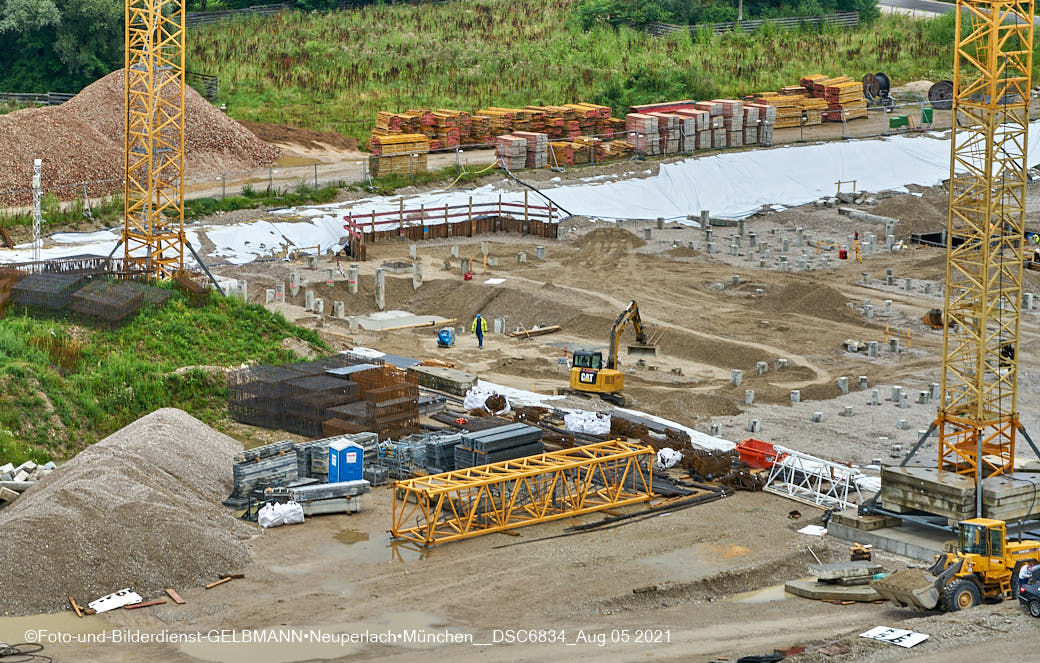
(402, 154)
(570, 153)
(812, 110)
(537, 148)
(558, 121)
(845, 99)
(788, 111)
(511, 151)
(642, 133)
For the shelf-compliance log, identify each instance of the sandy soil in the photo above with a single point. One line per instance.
(338, 573)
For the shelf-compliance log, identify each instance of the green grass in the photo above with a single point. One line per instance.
(300, 194)
(66, 382)
(333, 71)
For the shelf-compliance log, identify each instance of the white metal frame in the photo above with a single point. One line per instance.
(813, 481)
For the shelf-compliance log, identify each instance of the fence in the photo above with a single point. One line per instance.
(47, 98)
(451, 221)
(846, 20)
(195, 19)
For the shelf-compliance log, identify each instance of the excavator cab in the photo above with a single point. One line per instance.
(589, 374)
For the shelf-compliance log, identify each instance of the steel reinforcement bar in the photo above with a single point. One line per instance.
(491, 498)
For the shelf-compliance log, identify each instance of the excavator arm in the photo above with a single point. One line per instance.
(630, 314)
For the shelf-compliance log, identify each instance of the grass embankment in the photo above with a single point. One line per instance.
(66, 381)
(333, 71)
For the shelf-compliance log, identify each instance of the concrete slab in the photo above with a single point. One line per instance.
(909, 540)
(390, 319)
(845, 570)
(852, 518)
(819, 591)
(440, 378)
(1011, 497)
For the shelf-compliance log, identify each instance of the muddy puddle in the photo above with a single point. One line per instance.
(361, 547)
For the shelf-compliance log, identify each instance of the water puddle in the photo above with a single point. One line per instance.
(360, 547)
(764, 595)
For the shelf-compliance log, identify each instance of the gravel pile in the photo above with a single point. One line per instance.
(139, 509)
(82, 141)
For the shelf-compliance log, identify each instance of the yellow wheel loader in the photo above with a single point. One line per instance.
(590, 374)
(984, 567)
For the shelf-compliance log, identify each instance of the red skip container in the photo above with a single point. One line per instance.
(758, 454)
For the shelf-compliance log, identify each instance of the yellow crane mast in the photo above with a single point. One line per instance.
(985, 237)
(153, 191)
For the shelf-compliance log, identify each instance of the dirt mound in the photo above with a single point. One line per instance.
(922, 213)
(139, 509)
(610, 240)
(82, 141)
(817, 300)
(283, 134)
(683, 252)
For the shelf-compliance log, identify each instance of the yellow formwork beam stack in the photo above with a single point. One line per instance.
(491, 498)
(985, 236)
(153, 194)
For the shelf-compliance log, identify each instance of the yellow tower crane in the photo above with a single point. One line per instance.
(978, 415)
(153, 192)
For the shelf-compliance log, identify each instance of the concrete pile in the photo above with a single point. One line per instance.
(16, 480)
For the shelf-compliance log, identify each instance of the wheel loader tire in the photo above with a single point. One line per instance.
(960, 594)
(1034, 608)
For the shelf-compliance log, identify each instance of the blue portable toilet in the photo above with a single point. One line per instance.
(346, 461)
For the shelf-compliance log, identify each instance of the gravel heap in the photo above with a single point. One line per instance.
(139, 509)
(82, 141)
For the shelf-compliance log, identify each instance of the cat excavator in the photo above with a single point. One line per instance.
(591, 375)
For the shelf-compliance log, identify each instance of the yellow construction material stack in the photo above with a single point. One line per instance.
(845, 98)
(403, 154)
(788, 111)
(813, 110)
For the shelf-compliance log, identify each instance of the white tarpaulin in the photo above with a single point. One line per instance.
(591, 423)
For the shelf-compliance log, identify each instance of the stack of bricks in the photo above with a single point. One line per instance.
(733, 120)
(642, 133)
(716, 123)
(766, 121)
(687, 132)
(701, 137)
(537, 148)
(511, 151)
(751, 114)
(668, 130)
(402, 154)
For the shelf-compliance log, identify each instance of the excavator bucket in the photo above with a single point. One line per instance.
(933, 318)
(909, 588)
(642, 350)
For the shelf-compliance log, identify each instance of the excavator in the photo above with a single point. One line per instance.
(590, 374)
(985, 566)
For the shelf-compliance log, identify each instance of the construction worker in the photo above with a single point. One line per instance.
(1025, 574)
(479, 328)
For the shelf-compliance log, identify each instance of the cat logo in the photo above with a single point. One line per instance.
(587, 376)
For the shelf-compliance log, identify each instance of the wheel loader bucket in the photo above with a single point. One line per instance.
(640, 350)
(909, 588)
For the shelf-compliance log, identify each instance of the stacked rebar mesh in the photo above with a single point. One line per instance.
(110, 301)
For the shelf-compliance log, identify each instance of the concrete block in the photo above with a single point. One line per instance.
(872, 349)
(50, 466)
(648, 234)
(735, 279)
(934, 389)
(660, 223)
(868, 311)
(7, 469)
(21, 476)
(874, 400)
(338, 309)
(903, 424)
(715, 430)
(269, 296)
(843, 385)
(893, 345)
(761, 368)
(927, 288)
(817, 417)
(863, 382)
(319, 305)
(411, 251)
(749, 396)
(1027, 301)
(888, 306)
(539, 252)
(895, 393)
(846, 411)
(309, 300)
(7, 495)
(890, 280)
(521, 258)
(454, 250)
(864, 278)
(312, 262)
(736, 377)
(781, 362)
(923, 397)
(485, 248)
(754, 425)
(752, 240)
(904, 400)
(796, 396)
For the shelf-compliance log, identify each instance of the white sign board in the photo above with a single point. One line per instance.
(113, 601)
(895, 636)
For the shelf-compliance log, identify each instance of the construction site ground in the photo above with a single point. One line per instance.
(702, 583)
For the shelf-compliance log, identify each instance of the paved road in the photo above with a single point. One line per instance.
(924, 7)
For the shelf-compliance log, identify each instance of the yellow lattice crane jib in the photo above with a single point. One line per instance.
(153, 192)
(978, 417)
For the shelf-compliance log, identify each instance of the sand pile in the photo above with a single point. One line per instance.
(611, 240)
(139, 509)
(817, 300)
(82, 141)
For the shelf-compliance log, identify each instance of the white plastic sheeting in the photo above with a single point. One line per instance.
(476, 397)
(591, 423)
(668, 457)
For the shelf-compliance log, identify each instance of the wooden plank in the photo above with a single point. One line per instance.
(79, 611)
(233, 576)
(541, 331)
(172, 593)
(432, 323)
(146, 604)
(219, 582)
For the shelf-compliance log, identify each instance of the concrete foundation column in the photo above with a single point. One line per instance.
(294, 283)
(761, 368)
(279, 292)
(269, 296)
(874, 399)
(454, 250)
(872, 349)
(319, 305)
(816, 417)
(416, 275)
(539, 252)
(749, 396)
(308, 298)
(736, 377)
(411, 251)
(521, 258)
(863, 382)
(381, 289)
(754, 425)
(338, 309)
(843, 385)
(796, 396)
